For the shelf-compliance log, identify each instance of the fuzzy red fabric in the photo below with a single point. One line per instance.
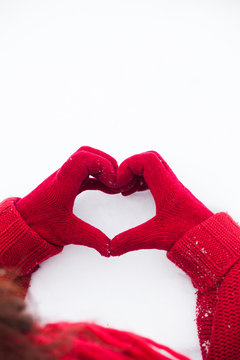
(177, 209)
(21, 248)
(210, 254)
(93, 342)
(48, 208)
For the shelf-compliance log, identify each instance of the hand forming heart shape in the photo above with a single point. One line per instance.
(48, 208)
(43, 222)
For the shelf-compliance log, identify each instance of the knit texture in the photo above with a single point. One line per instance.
(48, 208)
(177, 209)
(21, 248)
(210, 254)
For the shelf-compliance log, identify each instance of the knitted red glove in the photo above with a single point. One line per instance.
(177, 210)
(48, 208)
(92, 183)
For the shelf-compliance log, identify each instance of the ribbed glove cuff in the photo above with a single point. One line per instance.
(21, 249)
(208, 251)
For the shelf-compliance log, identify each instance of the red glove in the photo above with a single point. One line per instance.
(48, 208)
(177, 210)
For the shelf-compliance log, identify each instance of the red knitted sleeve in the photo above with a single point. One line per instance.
(21, 249)
(210, 254)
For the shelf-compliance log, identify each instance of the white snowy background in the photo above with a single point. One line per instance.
(123, 76)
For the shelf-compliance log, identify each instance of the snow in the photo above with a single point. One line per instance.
(125, 77)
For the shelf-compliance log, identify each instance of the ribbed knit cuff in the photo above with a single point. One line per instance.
(208, 251)
(21, 249)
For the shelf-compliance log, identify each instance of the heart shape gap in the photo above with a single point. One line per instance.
(114, 214)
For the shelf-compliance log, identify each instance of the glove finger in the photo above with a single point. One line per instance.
(161, 159)
(145, 236)
(130, 188)
(78, 232)
(147, 165)
(77, 169)
(101, 153)
(138, 185)
(94, 184)
(129, 182)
